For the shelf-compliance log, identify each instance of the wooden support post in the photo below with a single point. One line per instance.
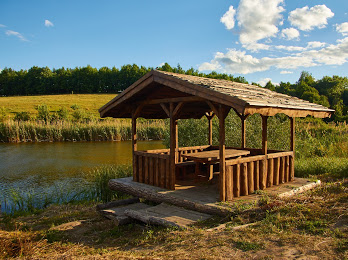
(292, 148)
(223, 111)
(173, 146)
(210, 116)
(243, 118)
(263, 172)
(236, 180)
(134, 147)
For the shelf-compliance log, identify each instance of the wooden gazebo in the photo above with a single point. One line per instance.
(160, 95)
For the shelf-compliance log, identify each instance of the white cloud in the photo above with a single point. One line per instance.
(290, 33)
(254, 47)
(258, 19)
(264, 81)
(228, 18)
(48, 23)
(342, 28)
(289, 48)
(315, 44)
(286, 72)
(235, 61)
(307, 19)
(16, 34)
(2, 26)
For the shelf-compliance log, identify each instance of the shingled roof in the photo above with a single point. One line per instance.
(158, 87)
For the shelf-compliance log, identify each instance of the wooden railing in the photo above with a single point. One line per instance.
(152, 166)
(248, 174)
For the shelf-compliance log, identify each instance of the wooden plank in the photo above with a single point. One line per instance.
(276, 171)
(236, 180)
(165, 109)
(278, 154)
(167, 215)
(244, 180)
(174, 100)
(116, 203)
(229, 183)
(245, 159)
(117, 214)
(250, 177)
(270, 173)
(256, 175)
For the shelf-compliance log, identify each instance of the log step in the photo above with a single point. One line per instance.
(167, 215)
(117, 213)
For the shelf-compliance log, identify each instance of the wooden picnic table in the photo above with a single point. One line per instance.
(211, 157)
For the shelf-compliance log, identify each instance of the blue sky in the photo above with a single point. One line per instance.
(257, 39)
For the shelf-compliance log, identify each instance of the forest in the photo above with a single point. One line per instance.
(329, 91)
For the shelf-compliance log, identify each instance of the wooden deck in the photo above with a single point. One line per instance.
(203, 197)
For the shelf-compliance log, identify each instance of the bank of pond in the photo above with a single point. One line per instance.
(35, 174)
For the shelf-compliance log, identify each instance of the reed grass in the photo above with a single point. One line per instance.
(97, 130)
(93, 186)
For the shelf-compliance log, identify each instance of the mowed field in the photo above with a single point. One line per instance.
(89, 102)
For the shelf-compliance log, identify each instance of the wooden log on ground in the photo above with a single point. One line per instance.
(116, 203)
(152, 195)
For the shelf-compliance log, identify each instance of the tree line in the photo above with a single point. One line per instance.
(329, 91)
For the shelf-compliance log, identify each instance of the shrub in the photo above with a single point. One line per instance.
(43, 113)
(22, 116)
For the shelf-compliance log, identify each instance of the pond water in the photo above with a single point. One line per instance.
(33, 166)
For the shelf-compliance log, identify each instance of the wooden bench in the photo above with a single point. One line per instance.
(181, 168)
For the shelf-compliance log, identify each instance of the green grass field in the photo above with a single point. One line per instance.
(89, 102)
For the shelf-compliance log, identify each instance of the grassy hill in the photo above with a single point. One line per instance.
(89, 102)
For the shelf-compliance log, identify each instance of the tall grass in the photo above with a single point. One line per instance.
(93, 186)
(104, 130)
